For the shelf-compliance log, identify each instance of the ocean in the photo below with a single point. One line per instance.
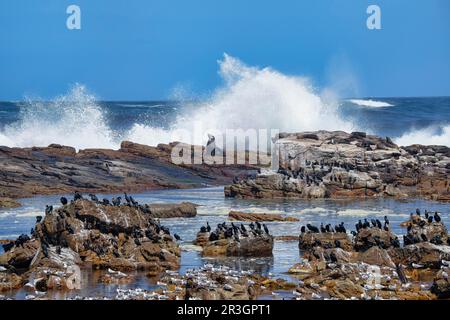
(248, 98)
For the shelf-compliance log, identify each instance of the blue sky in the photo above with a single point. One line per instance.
(143, 49)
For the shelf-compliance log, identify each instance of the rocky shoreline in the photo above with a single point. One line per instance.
(56, 169)
(337, 164)
(118, 238)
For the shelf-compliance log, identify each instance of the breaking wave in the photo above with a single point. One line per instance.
(370, 103)
(251, 98)
(74, 119)
(427, 136)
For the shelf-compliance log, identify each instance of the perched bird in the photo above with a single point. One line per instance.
(265, 228)
(303, 229)
(243, 228)
(430, 219)
(208, 227)
(77, 196)
(48, 209)
(312, 228)
(424, 237)
(322, 228)
(63, 200)
(38, 219)
(337, 243)
(93, 197)
(418, 211)
(177, 237)
(437, 218)
(127, 199)
(116, 201)
(386, 220)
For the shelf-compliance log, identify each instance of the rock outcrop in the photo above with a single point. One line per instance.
(9, 203)
(231, 240)
(336, 164)
(82, 232)
(270, 217)
(169, 210)
(372, 264)
(134, 167)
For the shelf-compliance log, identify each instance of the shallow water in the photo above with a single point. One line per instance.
(214, 209)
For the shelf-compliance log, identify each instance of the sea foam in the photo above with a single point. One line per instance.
(370, 103)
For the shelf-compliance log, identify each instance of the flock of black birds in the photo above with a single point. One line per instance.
(314, 171)
(376, 223)
(224, 230)
(227, 231)
(115, 201)
(417, 219)
(323, 229)
(152, 233)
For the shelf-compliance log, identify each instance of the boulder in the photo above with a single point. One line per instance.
(420, 230)
(182, 210)
(260, 246)
(10, 281)
(424, 254)
(104, 236)
(9, 203)
(370, 237)
(441, 284)
(326, 240)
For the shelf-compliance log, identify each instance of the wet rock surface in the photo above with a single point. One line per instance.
(245, 216)
(337, 164)
(58, 169)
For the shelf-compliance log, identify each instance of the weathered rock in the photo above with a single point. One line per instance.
(21, 256)
(370, 237)
(182, 210)
(9, 203)
(336, 164)
(245, 216)
(9, 281)
(421, 231)
(424, 254)
(326, 240)
(118, 237)
(134, 167)
(376, 256)
(257, 246)
(441, 284)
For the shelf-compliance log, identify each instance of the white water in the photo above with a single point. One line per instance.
(251, 98)
(74, 119)
(427, 136)
(370, 103)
